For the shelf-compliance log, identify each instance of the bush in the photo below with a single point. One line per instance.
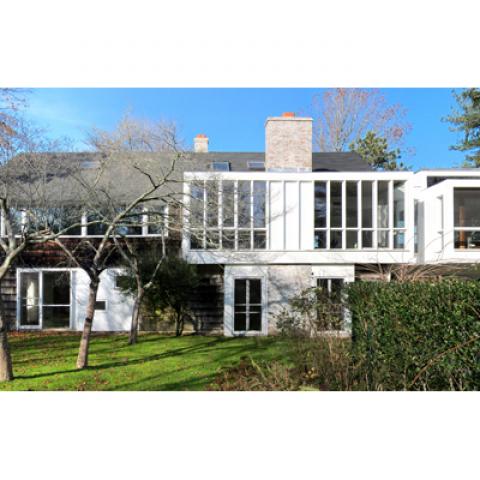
(417, 335)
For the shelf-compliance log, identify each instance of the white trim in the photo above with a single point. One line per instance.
(41, 304)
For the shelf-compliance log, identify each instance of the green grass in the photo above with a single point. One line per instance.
(47, 362)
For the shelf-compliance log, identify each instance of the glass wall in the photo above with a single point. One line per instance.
(359, 215)
(466, 217)
(228, 215)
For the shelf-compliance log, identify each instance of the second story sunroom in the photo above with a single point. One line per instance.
(319, 212)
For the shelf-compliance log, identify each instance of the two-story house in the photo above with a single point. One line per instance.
(262, 226)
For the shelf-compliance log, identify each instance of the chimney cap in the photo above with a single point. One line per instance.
(288, 114)
(201, 135)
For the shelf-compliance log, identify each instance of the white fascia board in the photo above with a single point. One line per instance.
(300, 176)
(298, 257)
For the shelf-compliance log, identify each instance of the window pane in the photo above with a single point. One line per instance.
(100, 305)
(240, 321)
(16, 218)
(352, 239)
(352, 205)
(467, 207)
(244, 215)
(240, 291)
(196, 204)
(228, 203)
(399, 239)
(336, 239)
(383, 239)
(212, 203)
(156, 219)
(382, 210)
(335, 204)
(367, 210)
(96, 228)
(320, 205)
(56, 288)
(56, 317)
(320, 239)
(322, 283)
(255, 291)
(212, 239)
(244, 240)
(399, 204)
(196, 240)
(228, 239)
(367, 239)
(336, 288)
(255, 320)
(29, 292)
(467, 239)
(259, 240)
(259, 191)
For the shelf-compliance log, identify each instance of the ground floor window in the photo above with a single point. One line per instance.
(330, 311)
(248, 305)
(44, 299)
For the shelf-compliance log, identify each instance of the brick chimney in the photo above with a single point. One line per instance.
(288, 143)
(200, 143)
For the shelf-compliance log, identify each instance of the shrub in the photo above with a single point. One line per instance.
(416, 335)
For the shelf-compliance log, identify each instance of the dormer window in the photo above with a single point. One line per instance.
(256, 166)
(220, 166)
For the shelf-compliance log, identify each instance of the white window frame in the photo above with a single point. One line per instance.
(40, 272)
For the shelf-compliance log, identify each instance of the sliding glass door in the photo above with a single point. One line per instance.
(44, 299)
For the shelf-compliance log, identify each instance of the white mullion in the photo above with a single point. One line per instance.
(327, 214)
(374, 213)
(299, 198)
(390, 214)
(40, 299)
(251, 215)
(359, 214)
(344, 214)
(2, 225)
(235, 214)
(267, 214)
(220, 215)
(84, 228)
(144, 221)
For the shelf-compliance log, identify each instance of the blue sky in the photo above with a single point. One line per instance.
(233, 119)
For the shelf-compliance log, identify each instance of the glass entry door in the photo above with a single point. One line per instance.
(45, 299)
(248, 305)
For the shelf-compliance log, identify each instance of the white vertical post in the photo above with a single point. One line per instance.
(327, 206)
(374, 212)
(390, 214)
(344, 214)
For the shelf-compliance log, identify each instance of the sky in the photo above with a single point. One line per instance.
(233, 119)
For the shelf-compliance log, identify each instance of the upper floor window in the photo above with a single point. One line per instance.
(466, 216)
(228, 215)
(220, 166)
(350, 214)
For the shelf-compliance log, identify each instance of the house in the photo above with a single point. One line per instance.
(262, 226)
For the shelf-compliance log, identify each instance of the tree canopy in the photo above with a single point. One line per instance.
(466, 120)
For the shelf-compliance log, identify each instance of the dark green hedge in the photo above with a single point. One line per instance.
(416, 336)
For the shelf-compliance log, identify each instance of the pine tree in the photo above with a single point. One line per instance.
(467, 121)
(374, 149)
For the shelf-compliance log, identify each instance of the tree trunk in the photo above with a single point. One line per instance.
(178, 324)
(6, 370)
(82, 359)
(136, 315)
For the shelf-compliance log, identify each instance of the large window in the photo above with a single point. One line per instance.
(228, 215)
(248, 305)
(44, 299)
(466, 213)
(355, 215)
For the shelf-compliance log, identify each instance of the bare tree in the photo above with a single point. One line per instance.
(28, 196)
(342, 116)
(149, 157)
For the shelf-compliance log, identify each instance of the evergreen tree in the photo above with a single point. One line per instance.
(467, 121)
(374, 149)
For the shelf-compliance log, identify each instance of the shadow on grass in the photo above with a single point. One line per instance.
(191, 349)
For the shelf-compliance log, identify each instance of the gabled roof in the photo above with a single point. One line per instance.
(321, 161)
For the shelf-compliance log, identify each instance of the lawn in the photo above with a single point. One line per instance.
(47, 362)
